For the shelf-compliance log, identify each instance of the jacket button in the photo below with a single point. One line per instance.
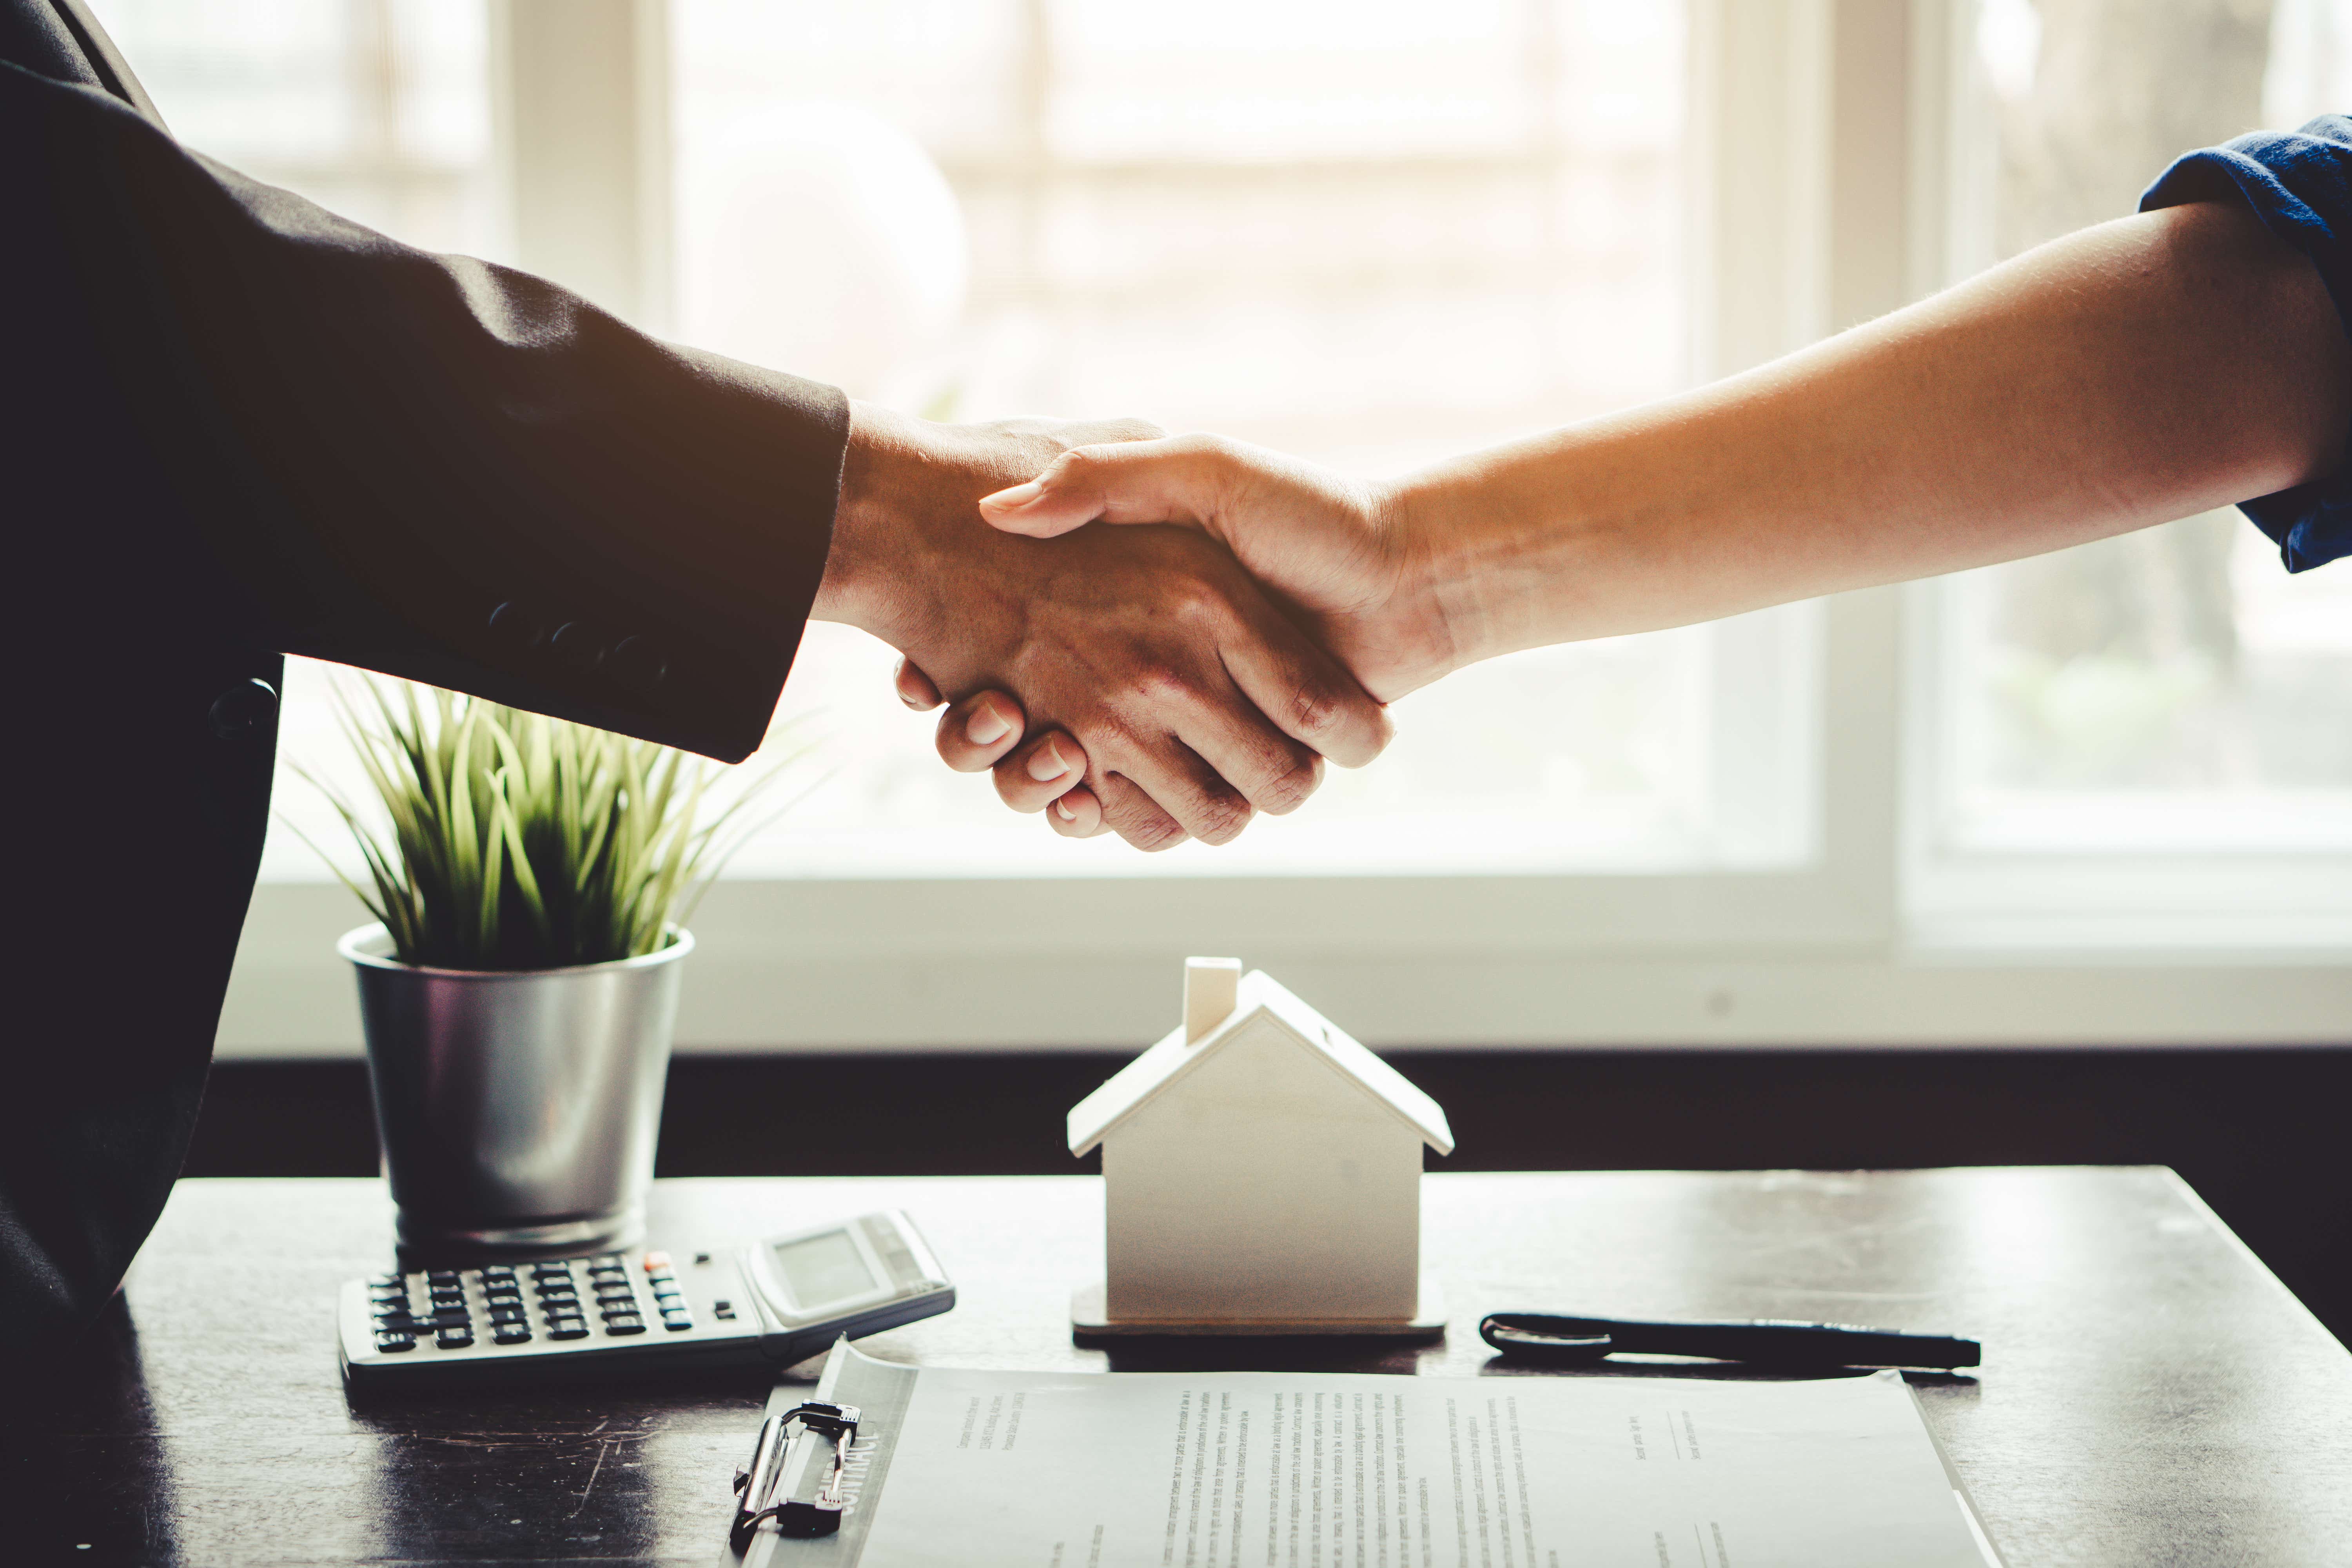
(576, 645)
(638, 663)
(245, 709)
(516, 626)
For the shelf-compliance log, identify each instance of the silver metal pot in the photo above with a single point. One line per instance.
(516, 1109)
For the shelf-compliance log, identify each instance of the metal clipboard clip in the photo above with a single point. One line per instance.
(794, 1477)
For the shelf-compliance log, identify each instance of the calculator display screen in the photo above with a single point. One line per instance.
(824, 1267)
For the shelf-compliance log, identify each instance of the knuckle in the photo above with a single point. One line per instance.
(1316, 710)
(1153, 836)
(1197, 604)
(1288, 790)
(1157, 685)
(1222, 818)
(1078, 465)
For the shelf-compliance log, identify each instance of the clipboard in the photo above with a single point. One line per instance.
(1012, 1469)
(879, 1391)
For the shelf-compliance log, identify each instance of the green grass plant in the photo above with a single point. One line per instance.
(517, 841)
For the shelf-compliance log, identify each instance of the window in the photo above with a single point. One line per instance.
(1372, 233)
(2169, 693)
(379, 108)
(2103, 796)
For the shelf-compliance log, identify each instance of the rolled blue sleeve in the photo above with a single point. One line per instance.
(2299, 183)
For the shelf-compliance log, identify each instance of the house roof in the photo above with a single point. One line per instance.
(1140, 1081)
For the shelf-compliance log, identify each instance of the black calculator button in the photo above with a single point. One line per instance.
(567, 1329)
(389, 1282)
(626, 1323)
(498, 1270)
(511, 1333)
(441, 1276)
(503, 1297)
(393, 1341)
(507, 1315)
(613, 1258)
(453, 1337)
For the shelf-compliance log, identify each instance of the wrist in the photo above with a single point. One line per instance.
(1437, 544)
(870, 580)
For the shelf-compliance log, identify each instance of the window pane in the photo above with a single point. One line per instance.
(1370, 232)
(377, 109)
(2172, 689)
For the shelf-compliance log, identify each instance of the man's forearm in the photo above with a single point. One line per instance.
(2137, 372)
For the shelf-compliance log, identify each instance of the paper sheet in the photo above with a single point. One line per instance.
(1280, 1470)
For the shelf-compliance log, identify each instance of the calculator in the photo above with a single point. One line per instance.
(767, 1303)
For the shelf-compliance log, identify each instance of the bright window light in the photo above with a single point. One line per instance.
(2172, 690)
(1373, 234)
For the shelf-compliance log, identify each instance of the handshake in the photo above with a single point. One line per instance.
(1173, 679)
(1161, 682)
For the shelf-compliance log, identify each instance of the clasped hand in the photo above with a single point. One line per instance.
(1179, 696)
(1135, 680)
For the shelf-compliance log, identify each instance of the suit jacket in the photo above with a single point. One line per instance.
(236, 426)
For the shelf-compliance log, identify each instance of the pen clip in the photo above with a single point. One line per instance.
(788, 1481)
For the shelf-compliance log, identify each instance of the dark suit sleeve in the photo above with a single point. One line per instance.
(430, 466)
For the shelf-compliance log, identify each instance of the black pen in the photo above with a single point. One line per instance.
(1551, 1341)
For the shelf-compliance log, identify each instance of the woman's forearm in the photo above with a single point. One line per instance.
(2134, 372)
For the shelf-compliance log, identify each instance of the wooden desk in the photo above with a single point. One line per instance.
(2150, 1395)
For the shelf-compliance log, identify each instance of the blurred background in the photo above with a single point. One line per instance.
(1998, 825)
(1373, 234)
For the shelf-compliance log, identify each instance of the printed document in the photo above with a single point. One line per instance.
(1292, 1470)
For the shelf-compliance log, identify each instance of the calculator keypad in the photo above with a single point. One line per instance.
(567, 1300)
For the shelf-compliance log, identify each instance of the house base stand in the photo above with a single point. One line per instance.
(1088, 1320)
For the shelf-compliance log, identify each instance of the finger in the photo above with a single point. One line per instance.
(1077, 814)
(1131, 812)
(1242, 753)
(1180, 479)
(1180, 784)
(1303, 691)
(975, 732)
(1041, 769)
(916, 690)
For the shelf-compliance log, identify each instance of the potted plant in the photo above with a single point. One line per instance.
(518, 986)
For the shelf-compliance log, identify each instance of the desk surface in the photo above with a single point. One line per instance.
(2150, 1394)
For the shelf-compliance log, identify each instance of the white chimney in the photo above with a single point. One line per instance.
(1212, 991)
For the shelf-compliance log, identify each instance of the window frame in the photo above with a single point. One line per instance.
(1829, 167)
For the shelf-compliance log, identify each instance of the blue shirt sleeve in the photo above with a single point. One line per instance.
(2299, 183)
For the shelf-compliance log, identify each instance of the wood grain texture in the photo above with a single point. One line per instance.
(2150, 1395)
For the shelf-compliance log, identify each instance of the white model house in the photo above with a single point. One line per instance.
(1262, 1171)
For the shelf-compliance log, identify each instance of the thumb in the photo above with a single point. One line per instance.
(1170, 480)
